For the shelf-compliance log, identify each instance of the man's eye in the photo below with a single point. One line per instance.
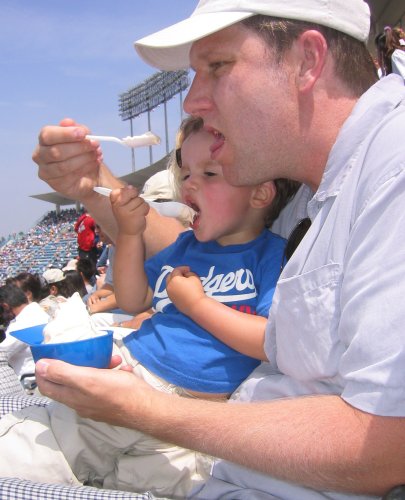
(210, 174)
(185, 177)
(217, 65)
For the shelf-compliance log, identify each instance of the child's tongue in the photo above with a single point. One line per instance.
(196, 221)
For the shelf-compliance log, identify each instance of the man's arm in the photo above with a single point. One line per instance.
(160, 232)
(318, 441)
(72, 166)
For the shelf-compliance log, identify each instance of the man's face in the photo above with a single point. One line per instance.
(247, 102)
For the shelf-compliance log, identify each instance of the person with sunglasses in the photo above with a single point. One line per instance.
(288, 90)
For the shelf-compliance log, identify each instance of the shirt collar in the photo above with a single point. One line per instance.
(370, 109)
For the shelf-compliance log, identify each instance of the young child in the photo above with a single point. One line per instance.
(212, 289)
(204, 338)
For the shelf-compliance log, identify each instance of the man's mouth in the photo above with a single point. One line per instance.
(219, 140)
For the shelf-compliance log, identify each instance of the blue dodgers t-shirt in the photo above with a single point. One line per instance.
(176, 348)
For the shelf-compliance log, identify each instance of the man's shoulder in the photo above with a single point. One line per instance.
(383, 156)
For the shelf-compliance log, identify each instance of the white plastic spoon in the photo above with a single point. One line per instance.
(135, 141)
(166, 208)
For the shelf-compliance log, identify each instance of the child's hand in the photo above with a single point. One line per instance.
(184, 289)
(129, 210)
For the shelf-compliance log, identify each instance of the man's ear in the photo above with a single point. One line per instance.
(312, 51)
(263, 195)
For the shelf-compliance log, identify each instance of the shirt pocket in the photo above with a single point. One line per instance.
(306, 323)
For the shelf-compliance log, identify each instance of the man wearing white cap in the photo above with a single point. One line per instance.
(159, 187)
(283, 98)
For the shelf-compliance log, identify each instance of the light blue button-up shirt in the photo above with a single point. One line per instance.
(337, 323)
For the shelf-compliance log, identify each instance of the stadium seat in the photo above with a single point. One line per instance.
(52, 241)
(21, 489)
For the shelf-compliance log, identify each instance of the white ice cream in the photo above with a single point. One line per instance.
(71, 322)
(146, 139)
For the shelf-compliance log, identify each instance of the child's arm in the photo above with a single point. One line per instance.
(241, 331)
(131, 286)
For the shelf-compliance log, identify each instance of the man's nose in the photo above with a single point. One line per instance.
(197, 101)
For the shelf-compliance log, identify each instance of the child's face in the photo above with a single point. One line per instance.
(223, 211)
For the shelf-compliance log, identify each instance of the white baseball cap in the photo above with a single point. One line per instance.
(71, 265)
(53, 275)
(169, 48)
(159, 187)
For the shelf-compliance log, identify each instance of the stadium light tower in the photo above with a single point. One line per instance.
(157, 89)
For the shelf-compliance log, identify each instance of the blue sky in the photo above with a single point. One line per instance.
(72, 58)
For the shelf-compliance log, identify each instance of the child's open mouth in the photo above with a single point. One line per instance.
(196, 218)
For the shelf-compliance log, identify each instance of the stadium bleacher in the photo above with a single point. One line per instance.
(50, 243)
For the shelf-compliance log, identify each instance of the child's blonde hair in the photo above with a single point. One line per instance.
(188, 126)
(285, 188)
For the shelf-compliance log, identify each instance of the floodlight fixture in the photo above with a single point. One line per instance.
(152, 92)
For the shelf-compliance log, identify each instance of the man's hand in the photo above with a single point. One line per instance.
(102, 395)
(67, 161)
(72, 165)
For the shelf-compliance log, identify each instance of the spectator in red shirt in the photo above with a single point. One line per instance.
(86, 237)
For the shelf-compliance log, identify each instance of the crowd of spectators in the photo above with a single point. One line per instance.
(50, 243)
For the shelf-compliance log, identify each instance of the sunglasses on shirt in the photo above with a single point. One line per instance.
(294, 240)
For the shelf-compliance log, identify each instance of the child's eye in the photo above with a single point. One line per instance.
(185, 177)
(210, 174)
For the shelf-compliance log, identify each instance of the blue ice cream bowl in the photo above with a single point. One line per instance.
(93, 352)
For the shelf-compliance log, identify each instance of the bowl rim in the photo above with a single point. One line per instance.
(108, 333)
